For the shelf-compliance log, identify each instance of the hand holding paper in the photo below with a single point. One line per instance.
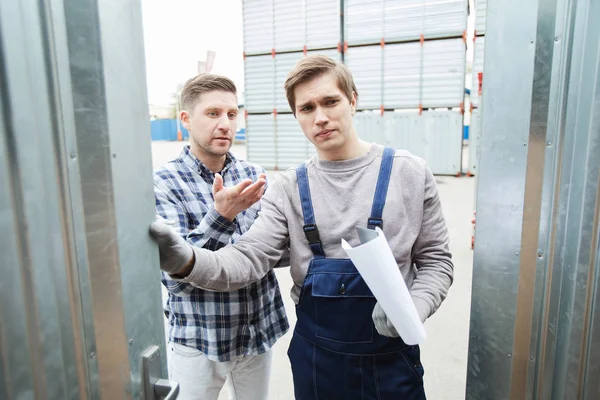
(377, 266)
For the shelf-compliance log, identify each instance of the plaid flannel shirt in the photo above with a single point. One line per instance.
(221, 325)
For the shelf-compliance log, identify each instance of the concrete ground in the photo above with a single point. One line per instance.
(444, 354)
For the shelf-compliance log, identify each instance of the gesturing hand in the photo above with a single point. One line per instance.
(231, 201)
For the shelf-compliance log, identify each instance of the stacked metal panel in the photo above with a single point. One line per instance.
(403, 54)
(430, 135)
(370, 21)
(410, 54)
(477, 84)
(277, 34)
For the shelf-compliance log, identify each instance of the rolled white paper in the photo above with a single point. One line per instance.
(377, 266)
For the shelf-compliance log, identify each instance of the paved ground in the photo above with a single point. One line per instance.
(444, 354)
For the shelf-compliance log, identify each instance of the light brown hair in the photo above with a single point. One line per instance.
(311, 67)
(203, 83)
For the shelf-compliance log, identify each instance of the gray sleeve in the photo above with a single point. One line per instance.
(431, 254)
(252, 256)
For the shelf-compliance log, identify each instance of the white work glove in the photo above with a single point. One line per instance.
(175, 253)
(382, 323)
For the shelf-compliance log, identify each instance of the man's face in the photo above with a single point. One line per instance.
(325, 114)
(212, 123)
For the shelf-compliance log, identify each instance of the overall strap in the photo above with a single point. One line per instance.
(381, 189)
(310, 228)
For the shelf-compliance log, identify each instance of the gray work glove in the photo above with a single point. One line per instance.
(175, 253)
(382, 323)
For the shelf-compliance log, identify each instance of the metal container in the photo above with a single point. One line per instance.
(435, 136)
(292, 145)
(363, 21)
(258, 26)
(366, 65)
(261, 143)
(283, 65)
(260, 83)
(444, 18)
(370, 21)
(443, 73)
(477, 70)
(323, 24)
(402, 75)
(480, 16)
(535, 313)
(289, 25)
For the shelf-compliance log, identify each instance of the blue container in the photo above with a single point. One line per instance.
(166, 129)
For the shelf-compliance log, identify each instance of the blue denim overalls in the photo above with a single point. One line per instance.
(336, 352)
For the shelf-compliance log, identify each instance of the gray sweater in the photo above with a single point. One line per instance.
(342, 195)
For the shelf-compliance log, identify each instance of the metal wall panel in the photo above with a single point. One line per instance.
(402, 75)
(363, 20)
(289, 25)
(444, 18)
(283, 65)
(261, 142)
(367, 70)
(334, 54)
(480, 16)
(292, 145)
(477, 68)
(81, 280)
(434, 136)
(403, 19)
(260, 83)
(474, 140)
(322, 23)
(369, 126)
(258, 26)
(443, 73)
(535, 306)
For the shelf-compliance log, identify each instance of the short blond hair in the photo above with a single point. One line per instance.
(203, 83)
(311, 67)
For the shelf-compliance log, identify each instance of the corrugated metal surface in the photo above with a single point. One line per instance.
(442, 134)
(477, 68)
(292, 145)
(322, 23)
(260, 83)
(474, 140)
(366, 66)
(434, 136)
(535, 313)
(260, 139)
(443, 72)
(283, 65)
(402, 75)
(289, 25)
(363, 21)
(79, 293)
(258, 26)
(444, 17)
(369, 126)
(403, 20)
(334, 54)
(480, 16)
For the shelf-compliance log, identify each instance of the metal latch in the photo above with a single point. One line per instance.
(156, 388)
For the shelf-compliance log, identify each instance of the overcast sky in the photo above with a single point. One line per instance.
(178, 33)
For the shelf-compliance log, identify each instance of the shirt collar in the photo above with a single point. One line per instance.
(191, 161)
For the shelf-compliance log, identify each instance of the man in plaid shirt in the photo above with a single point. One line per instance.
(216, 337)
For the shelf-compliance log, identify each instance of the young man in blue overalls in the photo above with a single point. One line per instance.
(343, 346)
